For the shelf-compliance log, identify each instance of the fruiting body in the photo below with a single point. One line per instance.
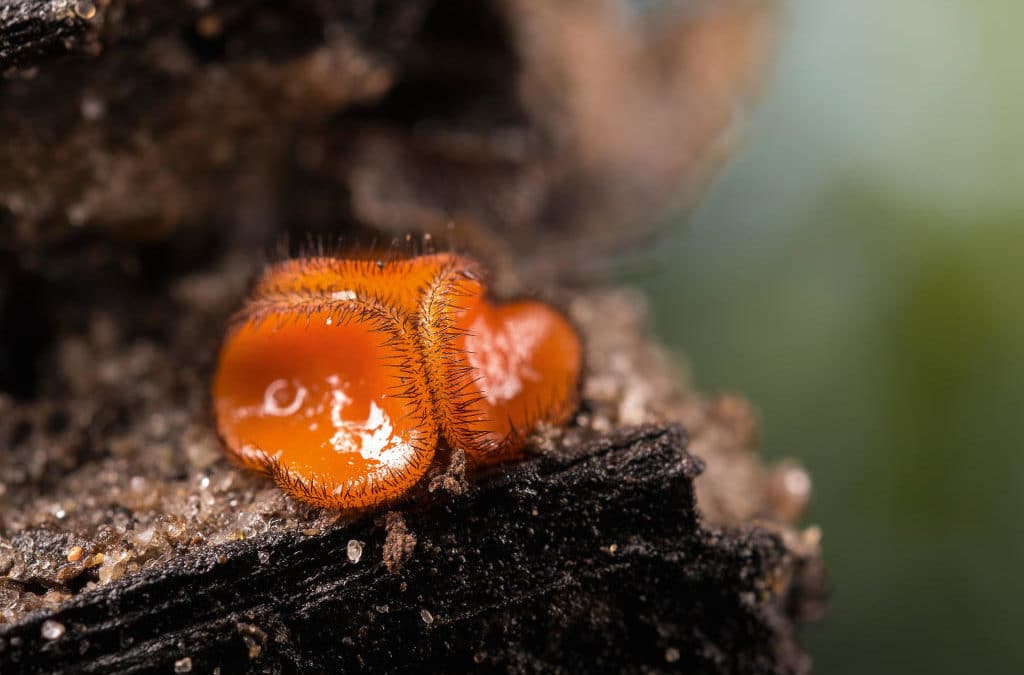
(339, 377)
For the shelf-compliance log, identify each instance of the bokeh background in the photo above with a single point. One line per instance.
(858, 273)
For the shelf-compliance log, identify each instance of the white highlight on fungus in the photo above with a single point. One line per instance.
(275, 402)
(502, 358)
(373, 439)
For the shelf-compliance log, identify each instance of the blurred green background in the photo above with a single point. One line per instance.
(858, 273)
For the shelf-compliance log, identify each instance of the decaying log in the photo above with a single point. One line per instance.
(587, 563)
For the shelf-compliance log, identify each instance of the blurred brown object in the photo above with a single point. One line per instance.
(561, 130)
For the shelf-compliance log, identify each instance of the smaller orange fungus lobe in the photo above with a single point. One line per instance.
(339, 378)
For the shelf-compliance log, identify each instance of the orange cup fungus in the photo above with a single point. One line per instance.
(339, 377)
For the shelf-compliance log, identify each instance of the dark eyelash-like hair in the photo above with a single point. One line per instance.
(323, 491)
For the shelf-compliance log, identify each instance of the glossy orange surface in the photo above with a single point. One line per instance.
(340, 377)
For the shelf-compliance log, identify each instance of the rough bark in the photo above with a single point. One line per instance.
(587, 563)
